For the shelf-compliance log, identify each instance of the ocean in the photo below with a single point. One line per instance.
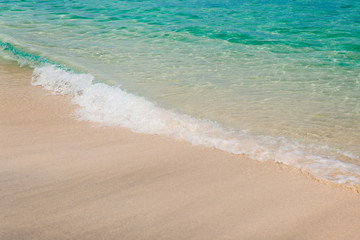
(273, 80)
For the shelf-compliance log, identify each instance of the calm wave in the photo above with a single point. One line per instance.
(276, 81)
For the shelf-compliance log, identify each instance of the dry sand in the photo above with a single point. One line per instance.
(64, 179)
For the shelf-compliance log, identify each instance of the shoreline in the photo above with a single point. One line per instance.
(61, 178)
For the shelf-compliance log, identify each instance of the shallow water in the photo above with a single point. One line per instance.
(278, 81)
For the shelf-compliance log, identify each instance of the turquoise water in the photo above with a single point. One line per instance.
(283, 76)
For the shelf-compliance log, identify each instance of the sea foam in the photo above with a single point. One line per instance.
(113, 106)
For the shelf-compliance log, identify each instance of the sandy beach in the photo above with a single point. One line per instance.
(65, 179)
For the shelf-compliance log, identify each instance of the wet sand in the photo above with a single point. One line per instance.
(64, 179)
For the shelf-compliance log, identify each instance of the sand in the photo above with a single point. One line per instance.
(65, 179)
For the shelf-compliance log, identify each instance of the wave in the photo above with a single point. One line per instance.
(24, 58)
(109, 105)
(112, 106)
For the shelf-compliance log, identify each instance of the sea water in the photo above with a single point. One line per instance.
(274, 80)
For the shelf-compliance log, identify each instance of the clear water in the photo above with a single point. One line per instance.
(280, 74)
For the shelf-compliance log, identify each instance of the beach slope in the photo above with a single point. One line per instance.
(64, 179)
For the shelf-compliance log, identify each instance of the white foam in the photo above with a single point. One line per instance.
(112, 106)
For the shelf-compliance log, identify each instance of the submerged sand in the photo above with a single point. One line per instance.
(64, 179)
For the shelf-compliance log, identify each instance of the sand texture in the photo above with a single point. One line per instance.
(64, 179)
